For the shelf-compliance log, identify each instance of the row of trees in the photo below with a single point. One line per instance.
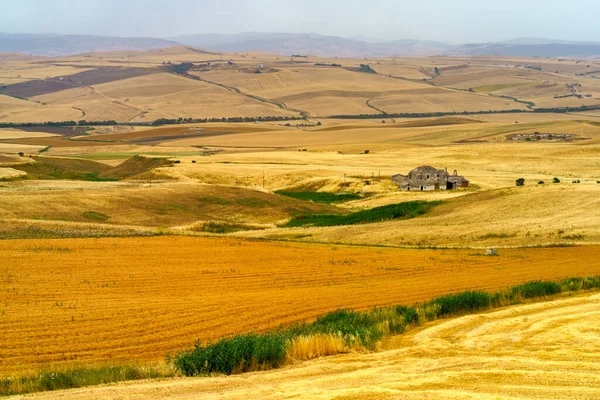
(451, 113)
(167, 121)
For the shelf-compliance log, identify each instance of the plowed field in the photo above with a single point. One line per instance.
(135, 299)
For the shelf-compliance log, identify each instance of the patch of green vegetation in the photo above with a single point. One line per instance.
(320, 197)
(366, 68)
(95, 216)
(574, 237)
(405, 210)
(224, 227)
(462, 302)
(529, 104)
(79, 377)
(536, 289)
(502, 235)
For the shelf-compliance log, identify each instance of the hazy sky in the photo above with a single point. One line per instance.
(446, 20)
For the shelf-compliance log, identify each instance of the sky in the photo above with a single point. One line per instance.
(454, 21)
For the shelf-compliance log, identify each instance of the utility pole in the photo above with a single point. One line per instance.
(373, 177)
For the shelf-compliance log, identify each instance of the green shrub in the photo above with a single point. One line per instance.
(520, 182)
(462, 302)
(541, 182)
(536, 289)
(240, 353)
(555, 180)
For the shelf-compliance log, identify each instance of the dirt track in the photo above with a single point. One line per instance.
(539, 351)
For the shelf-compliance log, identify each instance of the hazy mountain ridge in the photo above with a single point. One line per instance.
(314, 44)
(54, 45)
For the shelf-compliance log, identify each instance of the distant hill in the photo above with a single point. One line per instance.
(313, 44)
(293, 43)
(530, 48)
(64, 45)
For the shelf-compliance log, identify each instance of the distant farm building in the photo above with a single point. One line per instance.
(429, 178)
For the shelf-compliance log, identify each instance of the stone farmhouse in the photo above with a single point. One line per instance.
(429, 178)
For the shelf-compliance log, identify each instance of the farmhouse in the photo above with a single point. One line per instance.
(428, 178)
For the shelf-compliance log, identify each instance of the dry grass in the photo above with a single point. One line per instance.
(547, 350)
(150, 205)
(135, 299)
(11, 173)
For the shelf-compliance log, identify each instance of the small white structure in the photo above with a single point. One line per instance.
(491, 252)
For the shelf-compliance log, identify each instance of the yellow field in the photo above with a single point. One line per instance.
(123, 300)
(8, 133)
(548, 350)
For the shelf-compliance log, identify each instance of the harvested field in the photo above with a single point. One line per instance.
(8, 133)
(547, 350)
(135, 299)
(85, 78)
(166, 95)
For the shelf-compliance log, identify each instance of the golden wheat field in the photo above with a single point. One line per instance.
(68, 301)
(547, 350)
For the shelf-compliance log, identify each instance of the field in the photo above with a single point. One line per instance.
(546, 350)
(137, 86)
(80, 309)
(146, 204)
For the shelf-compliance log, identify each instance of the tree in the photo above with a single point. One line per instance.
(520, 182)
(555, 180)
(540, 182)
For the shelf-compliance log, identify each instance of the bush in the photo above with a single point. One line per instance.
(520, 182)
(240, 353)
(536, 289)
(555, 180)
(541, 182)
(462, 302)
